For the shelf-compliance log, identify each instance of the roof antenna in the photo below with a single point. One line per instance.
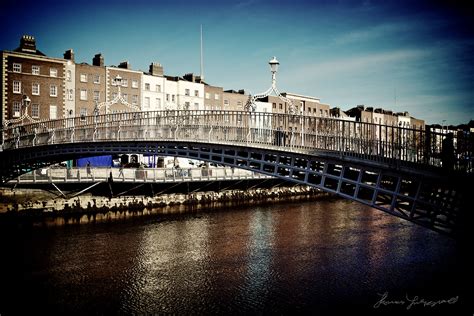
(202, 62)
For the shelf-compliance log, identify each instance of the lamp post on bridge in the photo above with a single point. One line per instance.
(251, 105)
(25, 103)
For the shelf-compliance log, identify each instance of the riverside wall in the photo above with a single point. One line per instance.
(49, 209)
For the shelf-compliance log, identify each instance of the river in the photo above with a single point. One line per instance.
(309, 257)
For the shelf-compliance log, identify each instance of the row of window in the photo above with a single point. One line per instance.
(208, 96)
(125, 83)
(226, 102)
(35, 89)
(35, 110)
(147, 103)
(187, 92)
(85, 77)
(35, 70)
(157, 87)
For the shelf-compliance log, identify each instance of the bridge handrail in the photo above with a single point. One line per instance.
(293, 132)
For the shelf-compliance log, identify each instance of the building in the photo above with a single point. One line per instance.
(131, 87)
(91, 86)
(190, 92)
(213, 97)
(27, 72)
(306, 105)
(153, 89)
(234, 100)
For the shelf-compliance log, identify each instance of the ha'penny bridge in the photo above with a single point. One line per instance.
(397, 170)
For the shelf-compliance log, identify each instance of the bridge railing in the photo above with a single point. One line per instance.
(308, 134)
(73, 175)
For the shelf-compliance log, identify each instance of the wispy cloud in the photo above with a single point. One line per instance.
(372, 33)
(245, 4)
(358, 63)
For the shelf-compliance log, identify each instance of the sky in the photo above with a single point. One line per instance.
(415, 56)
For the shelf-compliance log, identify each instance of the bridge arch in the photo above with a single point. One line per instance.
(419, 197)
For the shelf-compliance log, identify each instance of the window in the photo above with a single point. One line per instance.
(96, 95)
(167, 97)
(83, 77)
(208, 96)
(226, 102)
(281, 106)
(147, 86)
(68, 75)
(53, 90)
(16, 109)
(172, 98)
(158, 88)
(35, 70)
(274, 105)
(53, 72)
(35, 110)
(196, 93)
(124, 82)
(125, 97)
(97, 79)
(83, 95)
(16, 67)
(186, 105)
(196, 106)
(53, 112)
(216, 97)
(83, 114)
(158, 103)
(35, 89)
(16, 86)
(70, 94)
(321, 112)
(239, 103)
(134, 99)
(186, 91)
(146, 105)
(134, 83)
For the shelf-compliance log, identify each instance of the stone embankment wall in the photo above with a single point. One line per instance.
(87, 208)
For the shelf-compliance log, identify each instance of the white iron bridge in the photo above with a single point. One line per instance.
(402, 171)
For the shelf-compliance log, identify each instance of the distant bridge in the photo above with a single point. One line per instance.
(394, 169)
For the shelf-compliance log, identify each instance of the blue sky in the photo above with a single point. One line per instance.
(414, 56)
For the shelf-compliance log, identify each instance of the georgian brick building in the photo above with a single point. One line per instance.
(26, 71)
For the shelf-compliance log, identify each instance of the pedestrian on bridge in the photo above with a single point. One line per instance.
(88, 169)
(447, 153)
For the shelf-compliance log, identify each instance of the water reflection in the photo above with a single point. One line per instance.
(278, 259)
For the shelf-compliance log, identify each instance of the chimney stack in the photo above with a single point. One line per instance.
(98, 60)
(28, 44)
(69, 55)
(124, 65)
(156, 69)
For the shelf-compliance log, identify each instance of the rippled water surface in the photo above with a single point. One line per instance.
(283, 258)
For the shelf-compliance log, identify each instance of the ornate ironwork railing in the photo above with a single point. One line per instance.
(287, 132)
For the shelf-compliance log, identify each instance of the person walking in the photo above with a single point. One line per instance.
(88, 169)
(121, 171)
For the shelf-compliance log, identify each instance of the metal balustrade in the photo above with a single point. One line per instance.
(152, 175)
(391, 168)
(285, 132)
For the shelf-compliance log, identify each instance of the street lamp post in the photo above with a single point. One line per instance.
(251, 105)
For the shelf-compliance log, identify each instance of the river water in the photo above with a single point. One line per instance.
(310, 257)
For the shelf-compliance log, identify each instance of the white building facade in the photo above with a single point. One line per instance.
(153, 93)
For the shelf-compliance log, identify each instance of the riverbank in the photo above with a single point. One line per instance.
(91, 208)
